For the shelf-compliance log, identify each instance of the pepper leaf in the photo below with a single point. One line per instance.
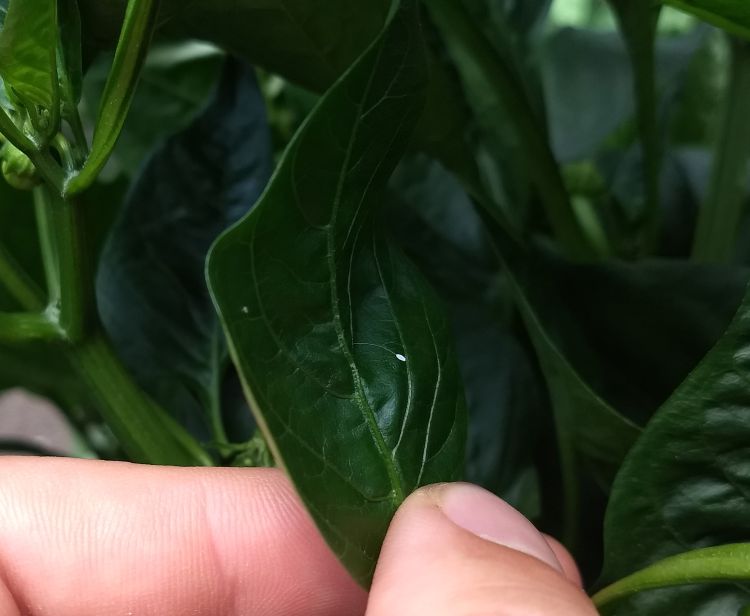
(343, 349)
(151, 288)
(28, 60)
(685, 484)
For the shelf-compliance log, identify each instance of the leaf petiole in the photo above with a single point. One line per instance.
(726, 563)
(24, 327)
(462, 33)
(132, 47)
(718, 222)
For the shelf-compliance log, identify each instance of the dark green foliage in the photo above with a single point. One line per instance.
(365, 403)
(504, 241)
(151, 288)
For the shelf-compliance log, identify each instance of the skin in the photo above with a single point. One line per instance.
(103, 539)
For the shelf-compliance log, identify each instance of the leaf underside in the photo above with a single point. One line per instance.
(151, 286)
(343, 349)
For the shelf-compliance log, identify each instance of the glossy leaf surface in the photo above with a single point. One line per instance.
(685, 483)
(28, 43)
(151, 285)
(343, 349)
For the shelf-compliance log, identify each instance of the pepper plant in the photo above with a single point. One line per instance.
(390, 243)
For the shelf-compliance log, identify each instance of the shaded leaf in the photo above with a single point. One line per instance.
(732, 15)
(685, 484)
(344, 352)
(70, 58)
(437, 226)
(678, 310)
(309, 43)
(587, 425)
(18, 240)
(151, 286)
(176, 82)
(588, 105)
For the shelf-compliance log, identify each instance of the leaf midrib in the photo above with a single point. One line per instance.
(360, 398)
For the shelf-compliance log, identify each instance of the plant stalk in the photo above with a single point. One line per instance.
(719, 219)
(145, 431)
(68, 263)
(130, 54)
(214, 398)
(25, 327)
(726, 563)
(460, 31)
(634, 20)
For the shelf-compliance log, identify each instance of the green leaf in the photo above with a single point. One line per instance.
(311, 44)
(685, 483)
(28, 43)
(343, 349)
(723, 564)
(587, 425)
(151, 285)
(676, 309)
(732, 15)
(504, 394)
(590, 367)
(176, 83)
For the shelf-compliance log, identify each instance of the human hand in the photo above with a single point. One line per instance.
(83, 538)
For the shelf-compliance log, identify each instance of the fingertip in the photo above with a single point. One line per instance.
(456, 550)
(568, 564)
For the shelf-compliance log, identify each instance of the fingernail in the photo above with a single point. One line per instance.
(486, 516)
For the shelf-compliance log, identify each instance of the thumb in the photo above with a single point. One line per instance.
(458, 550)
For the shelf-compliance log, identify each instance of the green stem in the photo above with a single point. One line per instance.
(639, 22)
(19, 284)
(727, 563)
(79, 136)
(25, 327)
(132, 47)
(461, 32)
(45, 231)
(719, 219)
(214, 403)
(68, 262)
(146, 432)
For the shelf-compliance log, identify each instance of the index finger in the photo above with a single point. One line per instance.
(86, 538)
